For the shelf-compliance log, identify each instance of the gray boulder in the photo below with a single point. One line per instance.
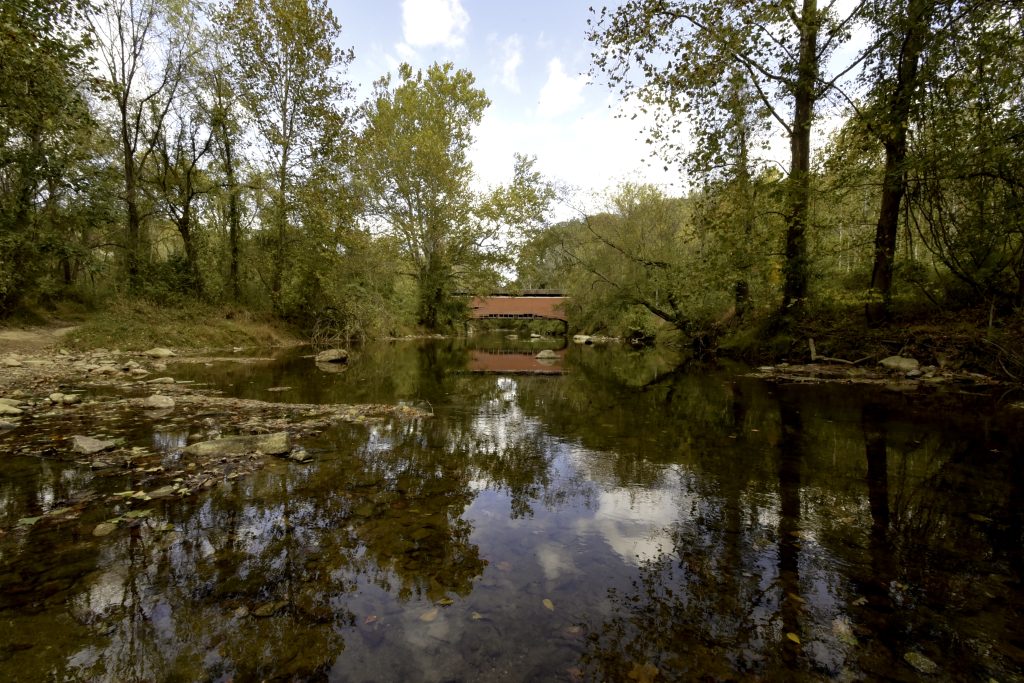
(332, 356)
(87, 445)
(159, 352)
(11, 402)
(9, 411)
(899, 364)
(158, 402)
(278, 443)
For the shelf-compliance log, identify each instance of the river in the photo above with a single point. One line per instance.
(595, 516)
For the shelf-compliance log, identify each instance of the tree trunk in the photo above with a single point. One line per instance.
(878, 308)
(133, 228)
(234, 220)
(796, 269)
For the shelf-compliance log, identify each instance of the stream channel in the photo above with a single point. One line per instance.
(596, 516)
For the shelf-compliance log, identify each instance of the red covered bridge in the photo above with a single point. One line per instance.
(531, 303)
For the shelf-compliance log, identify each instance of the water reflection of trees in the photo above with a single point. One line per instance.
(861, 544)
(865, 530)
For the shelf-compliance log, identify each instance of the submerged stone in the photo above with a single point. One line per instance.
(332, 356)
(547, 354)
(87, 445)
(921, 663)
(300, 454)
(104, 529)
(899, 364)
(278, 443)
(158, 402)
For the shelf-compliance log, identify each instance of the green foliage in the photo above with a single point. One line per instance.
(286, 67)
(653, 261)
(136, 325)
(44, 138)
(416, 177)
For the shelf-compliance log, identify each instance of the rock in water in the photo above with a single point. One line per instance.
(921, 663)
(582, 339)
(10, 402)
(158, 402)
(332, 356)
(278, 443)
(86, 445)
(547, 354)
(299, 454)
(9, 410)
(899, 364)
(159, 352)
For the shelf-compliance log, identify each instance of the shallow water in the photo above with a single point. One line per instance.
(602, 518)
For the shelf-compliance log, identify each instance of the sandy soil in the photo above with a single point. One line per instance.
(31, 339)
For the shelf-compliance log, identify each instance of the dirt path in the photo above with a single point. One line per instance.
(31, 339)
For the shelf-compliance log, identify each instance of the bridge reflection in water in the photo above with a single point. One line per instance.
(515, 362)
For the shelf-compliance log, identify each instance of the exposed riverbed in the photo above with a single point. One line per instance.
(469, 512)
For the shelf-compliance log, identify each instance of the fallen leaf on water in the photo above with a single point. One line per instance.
(550, 605)
(794, 637)
(27, 521)
(504, 566)
(476, 616)
(429, 615)
(860, 601)
(794, 596)
(370, 619)
(445, 602)
(643, 673)
(979, 518)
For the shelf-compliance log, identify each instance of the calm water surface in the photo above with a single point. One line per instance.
(616, 522)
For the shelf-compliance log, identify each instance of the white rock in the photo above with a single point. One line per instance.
(899, 364)
(332, 356)
(87, 445)
(10, 411)
(158, 402)
(159, 352)
(12, 362)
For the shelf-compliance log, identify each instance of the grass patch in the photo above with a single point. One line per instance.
(137, 326)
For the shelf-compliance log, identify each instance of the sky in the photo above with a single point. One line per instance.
(531, 57)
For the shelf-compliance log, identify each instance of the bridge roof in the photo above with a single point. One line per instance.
(519, 292)
(518, 307)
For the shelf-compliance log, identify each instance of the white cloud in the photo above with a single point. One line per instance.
(406, 53)
(434, 22)
(512, 55)
(561, 93)
(595, 151)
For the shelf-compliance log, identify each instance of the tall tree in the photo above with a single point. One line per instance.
(45, 126)
(684, 52)
(288, 69)
(139, 75)
(416, 173)
(904, 27)
(226, 128)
